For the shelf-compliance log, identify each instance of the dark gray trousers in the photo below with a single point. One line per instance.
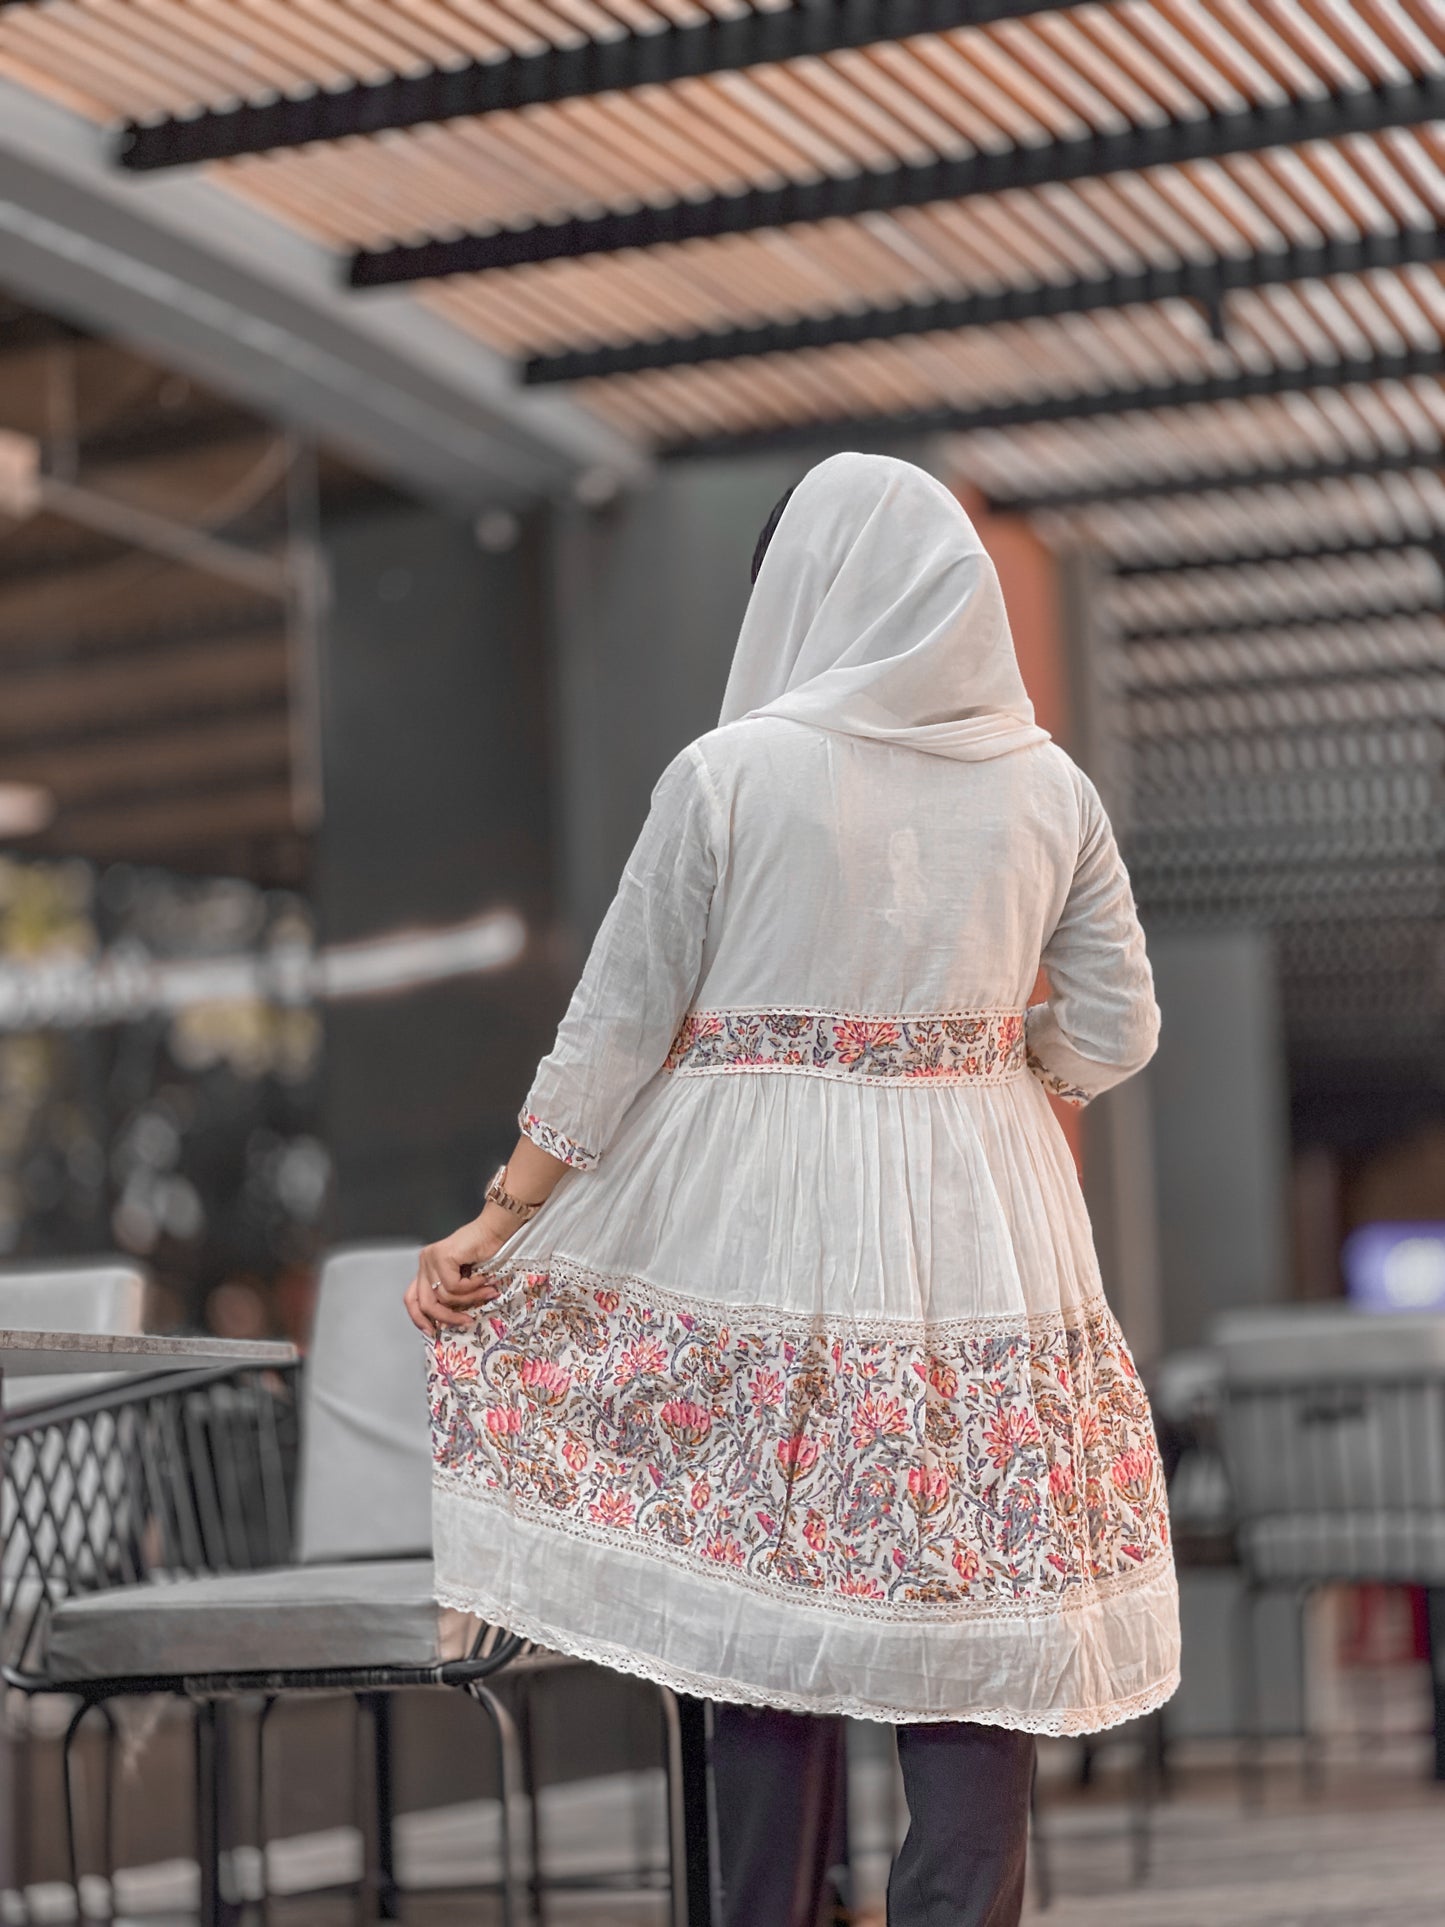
(780, 1795)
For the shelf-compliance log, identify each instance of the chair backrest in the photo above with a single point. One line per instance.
(365, 1480)
(1332, 1410)
(105, 1295)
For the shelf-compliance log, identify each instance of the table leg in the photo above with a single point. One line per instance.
(1435, 1623)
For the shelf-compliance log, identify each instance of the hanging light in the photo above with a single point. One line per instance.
(25, 810)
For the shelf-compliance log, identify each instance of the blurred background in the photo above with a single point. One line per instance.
(390, 397)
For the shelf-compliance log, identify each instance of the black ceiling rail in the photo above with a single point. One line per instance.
(1206, 282)
(807, 28)
(1342, 468)
(1432, 543)
(1245, 385)
(1406, 606)
(1331, 117)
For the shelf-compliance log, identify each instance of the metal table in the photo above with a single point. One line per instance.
(112, 1355)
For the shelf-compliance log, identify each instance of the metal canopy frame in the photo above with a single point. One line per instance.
(1432, 543)
(1244, 385)
(1207, 282)
(805, 29)
(1395, 461)
(1248, 130)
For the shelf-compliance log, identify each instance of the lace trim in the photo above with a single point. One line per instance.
(551, 1140)
(951, 1047)
(787, 1320)
(620, 1659)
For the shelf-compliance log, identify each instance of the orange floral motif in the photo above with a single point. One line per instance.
(878, 1418)
(611, 1509)
(920, 1470)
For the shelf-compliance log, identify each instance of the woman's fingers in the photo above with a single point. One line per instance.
(414, 1310)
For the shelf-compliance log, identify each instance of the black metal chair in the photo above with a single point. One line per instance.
(149, 1544)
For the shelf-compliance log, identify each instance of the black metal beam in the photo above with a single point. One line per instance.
(1344, 468)
(1206, 282)
(806, 28)
(1431, 543)
(1332, 117)
(1385, 608)
(1246, 385)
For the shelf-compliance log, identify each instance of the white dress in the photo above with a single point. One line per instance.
(802, 1389)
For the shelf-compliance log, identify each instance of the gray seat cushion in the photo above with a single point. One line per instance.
(1405, 1547)
(371, 1613)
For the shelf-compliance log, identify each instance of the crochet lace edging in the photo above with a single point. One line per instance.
(621, 1659)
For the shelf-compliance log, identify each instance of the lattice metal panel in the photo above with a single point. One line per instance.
(1285, 723)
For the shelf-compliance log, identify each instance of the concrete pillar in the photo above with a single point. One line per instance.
(1221, 1128)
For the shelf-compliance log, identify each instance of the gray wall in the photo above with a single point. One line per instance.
(1221, 1128)
(647, 596)
(436, 779)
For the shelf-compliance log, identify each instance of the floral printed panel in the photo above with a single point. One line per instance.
(965, 1047)
(889, 1470)
(567, 1149)
(1059, 1086)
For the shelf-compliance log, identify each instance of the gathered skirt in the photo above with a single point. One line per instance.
(808, 1396)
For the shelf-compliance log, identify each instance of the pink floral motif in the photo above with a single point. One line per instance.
(685, 1422)
(928, 1489)
(644, 1359)
(925, 1472)
(966, 1563)
(1132, 1473)
(544, 1382)
(452, 1362)
(964, 1047)
(797, 1454)
(1011, 1432)
(612, 1509)
(765, 1390)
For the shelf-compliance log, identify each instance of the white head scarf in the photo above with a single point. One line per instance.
(878, 613)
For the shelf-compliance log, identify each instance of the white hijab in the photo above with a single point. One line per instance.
(878, 613)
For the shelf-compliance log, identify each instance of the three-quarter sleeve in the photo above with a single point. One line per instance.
(640, 975)
(1100, 1023)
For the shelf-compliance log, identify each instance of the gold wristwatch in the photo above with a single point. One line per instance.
(496, 1194)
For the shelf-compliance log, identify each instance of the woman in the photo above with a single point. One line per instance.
(807, 1396)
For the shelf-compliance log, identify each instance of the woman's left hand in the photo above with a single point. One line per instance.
(441, 1293)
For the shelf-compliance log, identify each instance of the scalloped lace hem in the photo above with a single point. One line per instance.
(621, 1659)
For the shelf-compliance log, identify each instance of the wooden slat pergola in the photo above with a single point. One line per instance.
(1167, 274)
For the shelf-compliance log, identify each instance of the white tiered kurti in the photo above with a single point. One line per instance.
(808, 1394)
